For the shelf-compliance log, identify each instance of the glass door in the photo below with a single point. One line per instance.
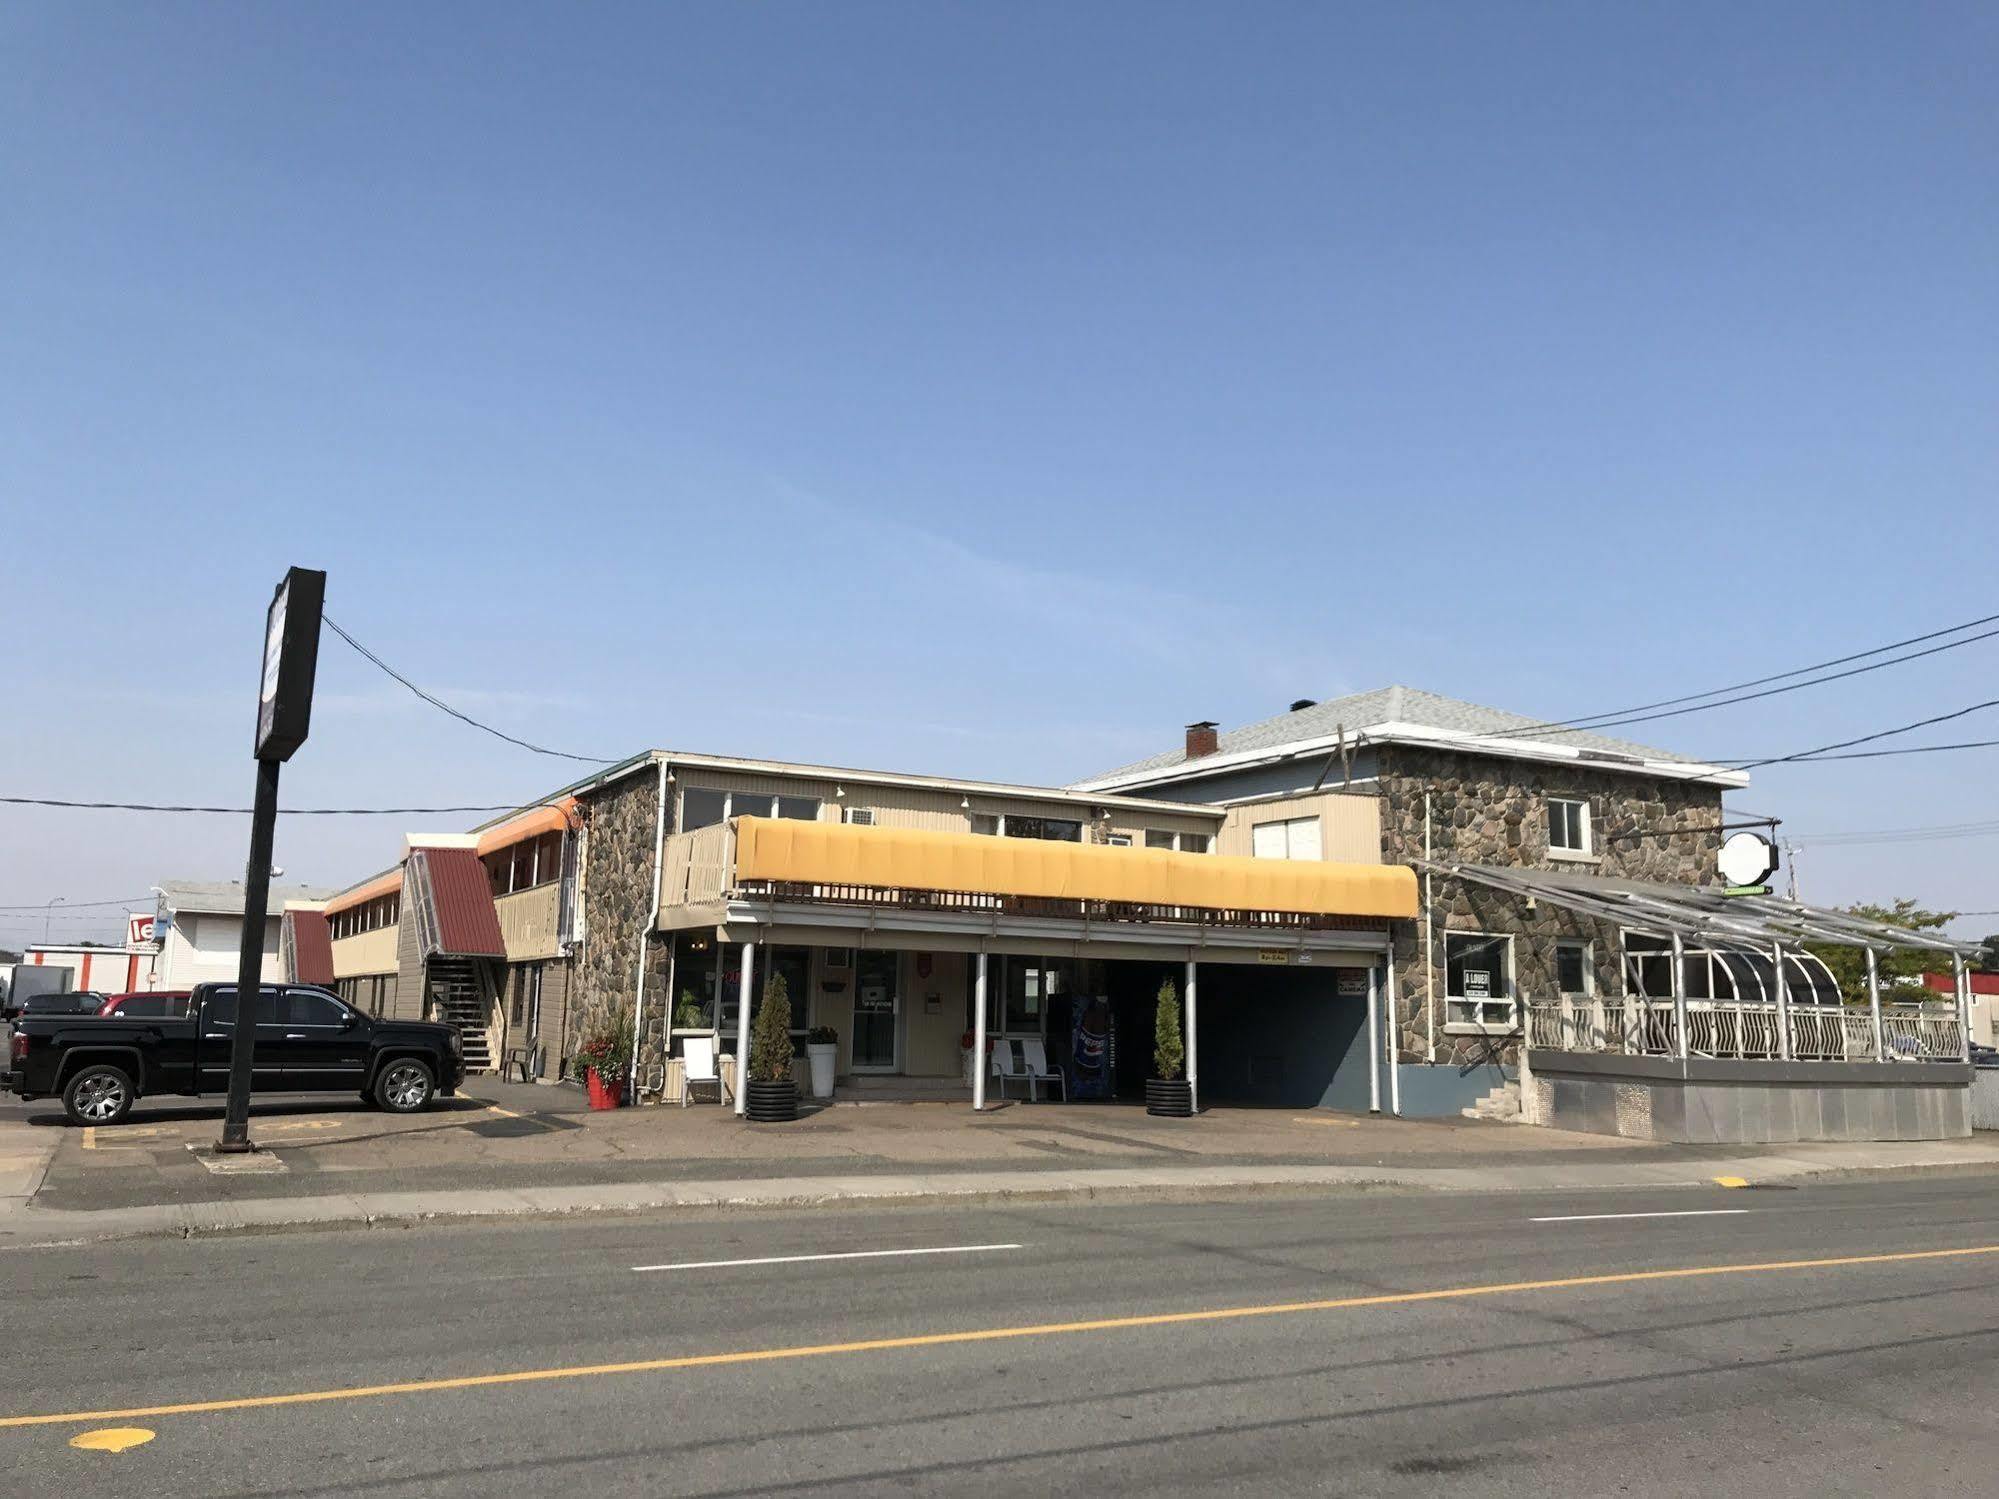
(877, 1011)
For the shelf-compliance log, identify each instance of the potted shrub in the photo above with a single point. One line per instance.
(772, 1095)
(1167, 1091)
(822, 1045)
(602, 1062)
(687, 1016)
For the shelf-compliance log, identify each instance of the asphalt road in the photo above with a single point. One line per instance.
(1784, 1378)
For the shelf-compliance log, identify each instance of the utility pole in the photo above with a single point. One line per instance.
(284, 713)
(48, 917)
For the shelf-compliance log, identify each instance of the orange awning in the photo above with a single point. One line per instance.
(550, 818)
(360, 895)
(833, 853)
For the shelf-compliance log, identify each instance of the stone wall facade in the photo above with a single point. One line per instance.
(620, 848)
(1485, 809)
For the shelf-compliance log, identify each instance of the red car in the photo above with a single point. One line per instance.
(157, 1004)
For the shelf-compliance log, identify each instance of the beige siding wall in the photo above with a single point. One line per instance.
(1349, 826)
(917, 807)
(930, 1042)
(527, 922)
(370, 952)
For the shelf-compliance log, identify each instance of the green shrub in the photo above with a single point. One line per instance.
(1168, 1050)
(770, 1034)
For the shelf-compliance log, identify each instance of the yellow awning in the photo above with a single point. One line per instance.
(834, 853)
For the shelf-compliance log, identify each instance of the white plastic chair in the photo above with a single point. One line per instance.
(697, 1057)
(1006, 1067)
(1038, 1070)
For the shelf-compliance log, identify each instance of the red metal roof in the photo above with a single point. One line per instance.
(312, 947)
(467, 925)
(1981, 983)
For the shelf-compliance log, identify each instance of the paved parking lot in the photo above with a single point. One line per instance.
(515, 1135)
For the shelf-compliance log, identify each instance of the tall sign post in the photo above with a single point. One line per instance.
(284, 712)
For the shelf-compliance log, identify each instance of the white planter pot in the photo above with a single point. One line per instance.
(821, 1059)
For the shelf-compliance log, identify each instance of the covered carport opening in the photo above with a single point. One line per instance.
(1267, 1036)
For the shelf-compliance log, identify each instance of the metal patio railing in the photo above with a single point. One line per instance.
(1733, 1029)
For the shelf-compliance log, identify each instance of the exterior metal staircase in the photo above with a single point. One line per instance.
(460, 1000)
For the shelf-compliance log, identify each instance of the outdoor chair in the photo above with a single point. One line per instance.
(525, 1060)
(697, 1056)
(1038, 1070)
(1007, 1068)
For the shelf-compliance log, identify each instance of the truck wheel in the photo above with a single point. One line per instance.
(98, 1094)
(405, 1086)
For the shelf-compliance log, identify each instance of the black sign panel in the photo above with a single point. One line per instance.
(291, 657)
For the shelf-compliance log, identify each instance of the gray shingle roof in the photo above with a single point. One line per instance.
(1363, 710)
(225, 897)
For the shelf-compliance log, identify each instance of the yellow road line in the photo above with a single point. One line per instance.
(1731, 1181)
(90, 1137)
(1330, 1123)
(980, 1335)
(493, 1108)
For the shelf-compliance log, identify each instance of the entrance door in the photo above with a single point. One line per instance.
(877, 1011)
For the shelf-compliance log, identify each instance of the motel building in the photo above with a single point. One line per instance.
(891, 903)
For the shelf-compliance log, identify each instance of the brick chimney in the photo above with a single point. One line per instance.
(1201, 739)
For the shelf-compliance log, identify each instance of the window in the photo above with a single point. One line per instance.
(1052, 829)
(701, 807)
(861, 817)
(1573, 976)
(1568, 827)
(1192, 843)
(798, 808)
(303, 1007)
(1118, 840)
(694, 982)
(1295, 838)
(985, 824)
(1478, 980)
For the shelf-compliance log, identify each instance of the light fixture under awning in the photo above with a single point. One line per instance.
(783, 851)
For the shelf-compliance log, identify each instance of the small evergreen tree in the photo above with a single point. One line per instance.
(1168, 1050)
(770, 1034)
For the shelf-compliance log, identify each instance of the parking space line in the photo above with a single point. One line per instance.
(851, 1254)
(1680, 1213)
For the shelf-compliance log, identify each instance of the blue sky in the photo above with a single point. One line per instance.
(982, 389)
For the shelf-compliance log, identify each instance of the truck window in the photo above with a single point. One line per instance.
(222, 1007)
(303, 1007)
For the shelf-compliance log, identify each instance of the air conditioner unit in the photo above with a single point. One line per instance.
(861, 817)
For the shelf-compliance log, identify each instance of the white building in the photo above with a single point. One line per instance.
(200, 931)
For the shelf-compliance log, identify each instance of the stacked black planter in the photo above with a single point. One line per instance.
(1171, 1098)
(771, 1103)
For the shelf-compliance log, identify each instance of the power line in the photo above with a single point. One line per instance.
(49, 801)
(439, 703)
(1670, 702)
(1592, 724)
(1921, 723)
(1913, 749)
(76, 905)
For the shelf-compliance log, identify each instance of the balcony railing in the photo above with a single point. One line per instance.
(1727, 1028)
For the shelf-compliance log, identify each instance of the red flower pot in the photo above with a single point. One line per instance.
(603, 1095)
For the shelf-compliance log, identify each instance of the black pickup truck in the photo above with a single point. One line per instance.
(308, 1041)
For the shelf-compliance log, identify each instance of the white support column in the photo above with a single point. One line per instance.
(1193, 996)
(1874, 1005)
(1680, 1048)
(1963, 1005)
(1393, 1035)
(1784, 1045)
(743, 1029)
(981, 1064)
(1374, 1040)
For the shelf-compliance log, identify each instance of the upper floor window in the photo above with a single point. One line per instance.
(1294, 838)
(525, 865)
(1478, 980)
(1017, 825)
(1568, 826)
(703, 806)
(1186, 843)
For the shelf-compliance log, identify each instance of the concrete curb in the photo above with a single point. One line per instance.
(22, 1225)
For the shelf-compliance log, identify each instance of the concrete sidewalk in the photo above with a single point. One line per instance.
(22, 1223)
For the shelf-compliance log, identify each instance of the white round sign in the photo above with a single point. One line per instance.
(1747, 859)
